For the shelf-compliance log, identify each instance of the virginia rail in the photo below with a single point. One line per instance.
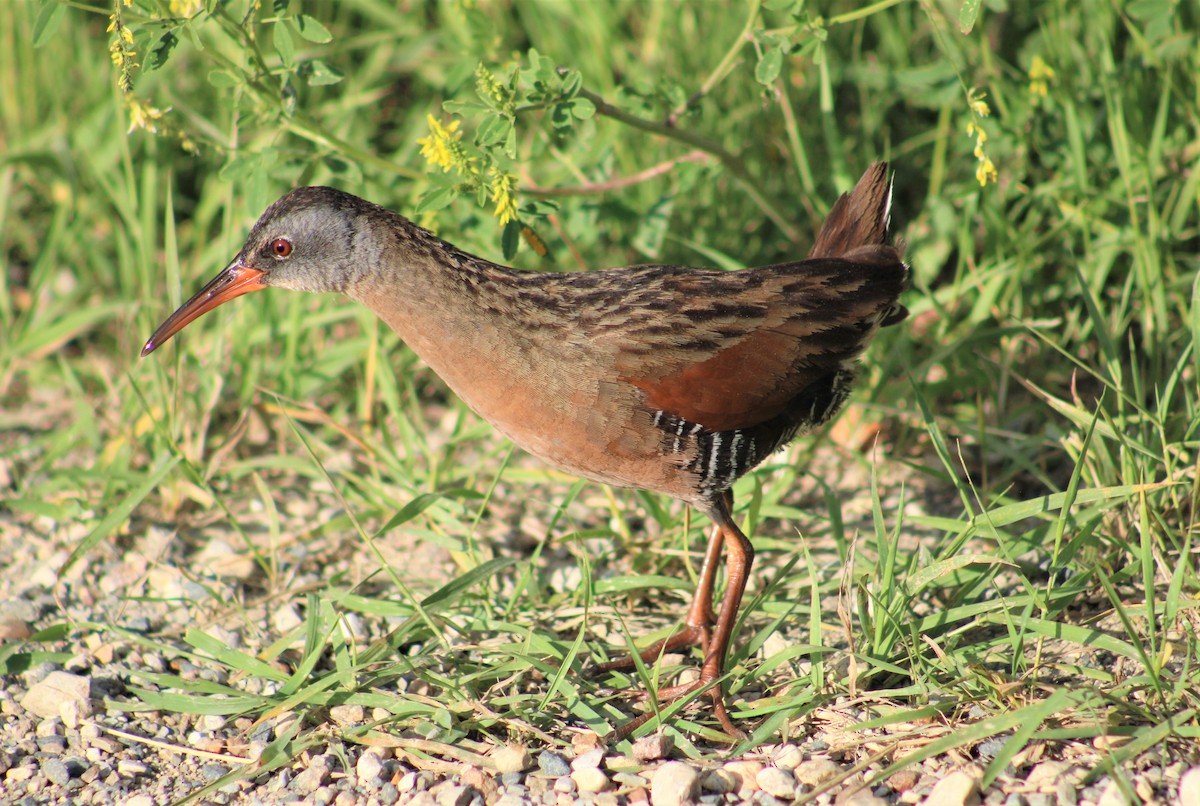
(665, 378)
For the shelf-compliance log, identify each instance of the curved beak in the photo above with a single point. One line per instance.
(233, 281)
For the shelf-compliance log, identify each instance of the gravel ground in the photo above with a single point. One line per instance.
(70, 731)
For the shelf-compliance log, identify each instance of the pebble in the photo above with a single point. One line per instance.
(776, 781)
(591, 758)
(653, 747)
(818, 771)
(311, 778)
(46, 697)
(788, 756)
(480, 781)
(1114, 795)
(454, 795)
(211, 722)
(347, 714)
(673, 783)
(903, 781)
(129, 767)
(720, 781)
(956, 789)
(1189, 787)
(553, 764)
(746, 774)
(55, 769)
(1045, 776)
(368, 769)
(511, 758)
(1066, 792)
(590, 779)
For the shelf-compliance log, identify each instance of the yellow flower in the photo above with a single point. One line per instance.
(142, 116)
(442, 147)
(186, 8)
(980, 107)
(1040, 76)
(986, 171)
(503, 185)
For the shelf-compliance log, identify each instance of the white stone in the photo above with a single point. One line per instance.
(956, 789)
(776, 781)
(673, 784)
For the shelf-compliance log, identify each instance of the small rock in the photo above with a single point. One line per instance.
(139, 800)
(455, 795)
(818, 771)
(586, 741)
(347, 714)
(1066, 792)
(746, 775)
(956, 789)
(720, 781)
(212, 771)
(673, 783)
(653, 747)
(1189, 787)
(211, 722)
(55, 769)
(553, 764)
(286, 619)
(131, 767)
(564, 785)
(1114, 795)
(1045, 776)
(480, 781)
(46, 697)
(789, 756)
(368, 769)
(511, 758)
(903, 781)
(777, 782)
(591, 758)
(310, 779)
(590, 779)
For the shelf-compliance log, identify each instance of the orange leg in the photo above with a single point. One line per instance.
(700, 620)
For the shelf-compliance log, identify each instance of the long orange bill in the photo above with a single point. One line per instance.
(233, 281)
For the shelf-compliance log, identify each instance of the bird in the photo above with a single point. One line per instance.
(665, 378)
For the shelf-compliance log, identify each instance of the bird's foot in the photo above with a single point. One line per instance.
(691, 635)
(671, 694)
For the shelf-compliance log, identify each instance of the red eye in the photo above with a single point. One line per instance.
(281, 247)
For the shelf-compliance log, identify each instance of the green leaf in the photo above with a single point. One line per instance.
(493, 131)
(320, 74)
(47, 22)
(653, 228)
(222, 79)
(284, 45)
(510, 239)
(162, 50)
(437, 199)
(311, 29)
(582, 108)
(769, 66)
(968, 14)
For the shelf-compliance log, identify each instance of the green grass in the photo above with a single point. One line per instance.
(1022, 539)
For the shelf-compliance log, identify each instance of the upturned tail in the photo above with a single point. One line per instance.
(857, 228)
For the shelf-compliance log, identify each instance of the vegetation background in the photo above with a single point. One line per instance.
(999, 536)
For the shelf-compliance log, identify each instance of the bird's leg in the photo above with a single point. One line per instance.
(697, 626)
(741, 558)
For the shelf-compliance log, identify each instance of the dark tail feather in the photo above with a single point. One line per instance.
(857, 227)
(858, 218)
